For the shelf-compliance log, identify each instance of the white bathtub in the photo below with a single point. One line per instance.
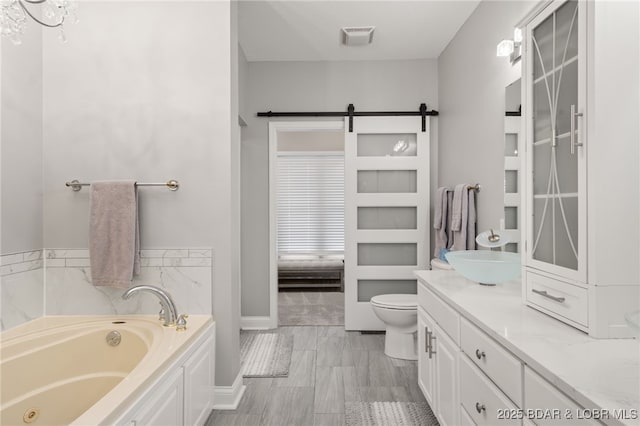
(61, 370)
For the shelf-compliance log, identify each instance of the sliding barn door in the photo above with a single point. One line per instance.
(386, 212)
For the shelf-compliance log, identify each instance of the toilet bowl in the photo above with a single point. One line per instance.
(399, 312)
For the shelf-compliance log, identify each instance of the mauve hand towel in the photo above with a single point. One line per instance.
(114, 238)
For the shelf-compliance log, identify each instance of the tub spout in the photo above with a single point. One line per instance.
(169, 312)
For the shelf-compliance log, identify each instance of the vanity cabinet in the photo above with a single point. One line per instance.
(570, 271)
(469, 378)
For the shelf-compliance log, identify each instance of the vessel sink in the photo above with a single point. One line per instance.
(485, 266)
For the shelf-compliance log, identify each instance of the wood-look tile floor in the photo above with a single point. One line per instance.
(329, 366)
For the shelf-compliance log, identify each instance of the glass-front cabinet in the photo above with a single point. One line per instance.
(580, 196)
(556, 141)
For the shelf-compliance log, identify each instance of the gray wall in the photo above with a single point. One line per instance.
(126, 99)
(21, 146)
(313, 86)
(471, 93)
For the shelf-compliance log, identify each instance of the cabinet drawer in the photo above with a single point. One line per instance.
(504, 369)
(482, 400)
(559, 297)
(443, 314)
(546, 405)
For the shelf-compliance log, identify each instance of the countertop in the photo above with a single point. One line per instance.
(596, 373)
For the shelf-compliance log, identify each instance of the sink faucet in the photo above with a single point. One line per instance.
(168, 313)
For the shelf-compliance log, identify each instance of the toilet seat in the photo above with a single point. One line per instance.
(401, 302)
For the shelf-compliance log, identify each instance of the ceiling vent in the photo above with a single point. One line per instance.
(356, 36)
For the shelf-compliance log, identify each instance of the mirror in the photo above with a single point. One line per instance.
(512, 177)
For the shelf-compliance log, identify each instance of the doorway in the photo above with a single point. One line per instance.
(306, 221)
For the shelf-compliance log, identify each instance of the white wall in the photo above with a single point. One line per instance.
(21, 274)
(126, 98)
(472, 103)
(313, 86)
(21, 143)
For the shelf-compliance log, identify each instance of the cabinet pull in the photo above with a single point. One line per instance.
(480, 407)
(426, 339)
(547, 295)
(429, 344)
(480, 354)
(572, 137)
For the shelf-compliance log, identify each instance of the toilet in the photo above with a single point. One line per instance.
(399, 313)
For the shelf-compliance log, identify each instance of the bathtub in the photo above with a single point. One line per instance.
(86, 370)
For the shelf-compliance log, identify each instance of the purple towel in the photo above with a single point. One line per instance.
(114, 238)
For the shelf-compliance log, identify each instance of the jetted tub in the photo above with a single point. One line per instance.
(65, 370)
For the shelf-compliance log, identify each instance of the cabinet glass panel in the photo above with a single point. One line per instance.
(387, 145)
(510, 145)
(387, 181)
(511, 218)
(387, 254)
(511, 181)
(566, 20)
(556, 237)
(369, 288)
(555, 169)
(387, 218)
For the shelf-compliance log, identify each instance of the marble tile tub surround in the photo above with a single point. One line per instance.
(184, 272)
(21, 288)
(596, 373)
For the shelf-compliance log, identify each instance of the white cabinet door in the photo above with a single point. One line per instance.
(447, 397)
(426, 361)
(386, 212)
(556, 140)
(165, 409)
(199, 384)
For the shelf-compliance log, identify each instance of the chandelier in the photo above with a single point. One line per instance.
(14, 15)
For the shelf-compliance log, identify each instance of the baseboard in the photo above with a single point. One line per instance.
(228, 397)
(255, 323)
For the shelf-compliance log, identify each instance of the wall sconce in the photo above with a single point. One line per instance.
(511, 49)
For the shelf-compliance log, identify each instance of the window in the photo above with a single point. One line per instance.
(310, 202)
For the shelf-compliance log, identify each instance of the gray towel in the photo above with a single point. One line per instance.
(440, 220)
(464, 237)
(459, 198)
(114, 238)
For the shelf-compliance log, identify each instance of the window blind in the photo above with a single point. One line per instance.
(310, 203)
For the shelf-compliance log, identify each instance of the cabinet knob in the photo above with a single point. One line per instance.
(480, 354)
(480, 407)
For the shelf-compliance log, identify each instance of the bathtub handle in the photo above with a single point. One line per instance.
(181, 324)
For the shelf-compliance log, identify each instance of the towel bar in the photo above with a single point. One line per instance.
(173, 184)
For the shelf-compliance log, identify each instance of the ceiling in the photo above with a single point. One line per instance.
(306, 30)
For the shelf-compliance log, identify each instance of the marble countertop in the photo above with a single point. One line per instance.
(596, 373)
